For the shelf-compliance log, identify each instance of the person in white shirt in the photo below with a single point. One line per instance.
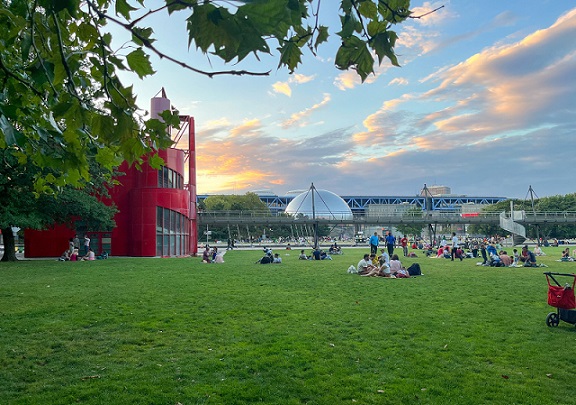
(365, 265)
(455, 243)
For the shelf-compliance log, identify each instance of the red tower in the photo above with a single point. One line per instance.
(157, 208)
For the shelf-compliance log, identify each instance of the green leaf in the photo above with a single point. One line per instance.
(368, 9)
(10, 134)
(58, 5)
(322, 36)
(139, 62)
(179, 5)
(354, 53)
(382, 45)
(290, 55)
(142, 36)
(124, 9)
(26, 45)
(155, 161)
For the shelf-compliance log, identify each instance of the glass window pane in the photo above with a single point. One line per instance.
(166, 228)
(159, 219)
(158, 245)
(166, 246)
(165, 176)
(172, 245)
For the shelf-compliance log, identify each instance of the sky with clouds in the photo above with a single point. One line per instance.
(484, 102)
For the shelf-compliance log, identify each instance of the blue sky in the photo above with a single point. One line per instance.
(485, 103)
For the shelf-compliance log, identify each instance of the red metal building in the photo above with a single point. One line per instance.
(157, 208)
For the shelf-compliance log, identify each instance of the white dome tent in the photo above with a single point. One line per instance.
(319, 204)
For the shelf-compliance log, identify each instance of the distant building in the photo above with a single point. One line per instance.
(435, 190)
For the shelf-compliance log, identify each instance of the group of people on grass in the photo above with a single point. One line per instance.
(72, 254)
(381, 266)
(317, 254)
(270, 257)
(494, 258)
(212, 255)
(76, 257)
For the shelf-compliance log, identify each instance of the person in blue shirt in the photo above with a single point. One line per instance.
(530, 257)
(374, 241)
(390, 242)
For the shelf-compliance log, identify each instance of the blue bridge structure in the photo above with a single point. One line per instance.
(359, 204)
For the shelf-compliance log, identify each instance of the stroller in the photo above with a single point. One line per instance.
(562, 298)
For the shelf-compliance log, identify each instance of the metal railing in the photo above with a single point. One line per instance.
(399, 217)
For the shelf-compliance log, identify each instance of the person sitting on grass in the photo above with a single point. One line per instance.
(396, 268)
(74, 256)
(206, 256)
(384, 258)
(515, 258)
(325, 256)
(505, 259)
(439, 253)
(538, 251)
(364, 265)
(530, 257)
(277, 258)
(266, 259)
(316, 254)
(303, 256)
(65, 256)
(566, 256)
(90, 255)
(491, 250)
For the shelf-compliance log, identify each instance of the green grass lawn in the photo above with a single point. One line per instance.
(176, 331)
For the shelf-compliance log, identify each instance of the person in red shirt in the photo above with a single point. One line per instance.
(404, 243)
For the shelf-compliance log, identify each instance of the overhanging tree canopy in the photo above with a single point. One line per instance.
(62, 103)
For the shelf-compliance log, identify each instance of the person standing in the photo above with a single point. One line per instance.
(76, 241)
(455, 244)
(374, 241)
(404, 244)
(390, 242)
(86, 244)
(71, 246)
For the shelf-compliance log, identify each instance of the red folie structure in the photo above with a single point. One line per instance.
(157, 208)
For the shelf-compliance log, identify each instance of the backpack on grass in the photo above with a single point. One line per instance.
(414, 270)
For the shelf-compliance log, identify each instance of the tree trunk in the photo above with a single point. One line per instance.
(9, 245)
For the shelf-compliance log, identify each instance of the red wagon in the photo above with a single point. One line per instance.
(562, 298)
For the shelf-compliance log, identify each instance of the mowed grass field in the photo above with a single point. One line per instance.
(176, 331)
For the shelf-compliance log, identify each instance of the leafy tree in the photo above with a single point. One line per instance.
(22, 207)
(250, 202)
(64, 108)
(553, 204)
(61, 99)
(246, 202)
(546, 204)
(488, 229)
